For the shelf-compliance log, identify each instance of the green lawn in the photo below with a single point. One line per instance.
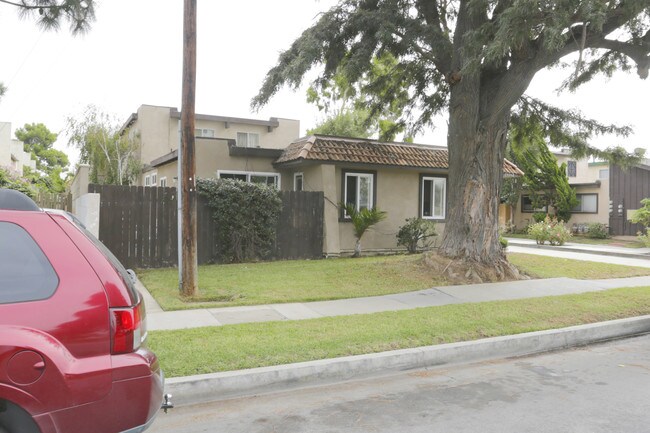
(316, 280)
(233, 347)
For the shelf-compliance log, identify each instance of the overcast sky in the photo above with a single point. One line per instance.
(133, 56)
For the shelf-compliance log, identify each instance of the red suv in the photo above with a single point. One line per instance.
(72, 330)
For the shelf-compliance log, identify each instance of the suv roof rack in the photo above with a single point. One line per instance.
(10, 199)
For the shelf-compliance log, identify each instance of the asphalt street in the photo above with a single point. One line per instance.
(600, 388)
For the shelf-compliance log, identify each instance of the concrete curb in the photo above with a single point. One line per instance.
(571, 249)
(220, 386)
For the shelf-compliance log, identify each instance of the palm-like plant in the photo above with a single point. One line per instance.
(362, 220)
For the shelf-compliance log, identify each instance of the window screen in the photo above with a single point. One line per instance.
(25, 273)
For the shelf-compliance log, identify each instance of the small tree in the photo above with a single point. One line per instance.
(9, 181)
(362, 220)
(414, 232)
(111, 154)
(246, 215)
(642, 216)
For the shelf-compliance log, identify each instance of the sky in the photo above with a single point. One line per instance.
(133, 56)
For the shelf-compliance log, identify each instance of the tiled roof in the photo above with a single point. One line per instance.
(322, 148)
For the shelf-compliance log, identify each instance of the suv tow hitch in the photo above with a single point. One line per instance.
(167, 404)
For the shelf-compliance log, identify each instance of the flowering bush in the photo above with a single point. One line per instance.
(550, 230)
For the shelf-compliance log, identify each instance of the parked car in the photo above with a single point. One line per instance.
(73, 355)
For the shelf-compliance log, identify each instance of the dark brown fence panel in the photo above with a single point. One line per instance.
(139, 225)
(299, 232)
(627, 187)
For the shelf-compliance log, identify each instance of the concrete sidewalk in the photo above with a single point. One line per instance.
(232, 384)
(161, 320)
(157, 319)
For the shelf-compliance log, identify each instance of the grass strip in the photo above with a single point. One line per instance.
(321, 280)
(234, 347)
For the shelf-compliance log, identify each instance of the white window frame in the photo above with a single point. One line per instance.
(204, 132)
(302, 181)
(147, 180)
(371, 190)
(248, 135)
(603, 173)
(434, 180)
(579, 207)
(154, 179)
(249, 174)
(163, 181)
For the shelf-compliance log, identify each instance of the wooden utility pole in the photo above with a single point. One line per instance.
(189, 272)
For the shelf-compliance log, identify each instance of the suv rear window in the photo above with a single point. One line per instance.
(25, 273)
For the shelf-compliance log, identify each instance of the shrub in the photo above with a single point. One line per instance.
(550, 230)
(645, 238)
(503, 241)
(362, 220)
(416, 231)
(597, 231)
(538, 217)
(246, 215)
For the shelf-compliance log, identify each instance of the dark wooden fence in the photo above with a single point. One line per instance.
(139, 225)
(627, 187)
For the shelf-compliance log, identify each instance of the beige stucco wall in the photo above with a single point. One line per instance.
(396, 193)
(210, 155)
(159, 135)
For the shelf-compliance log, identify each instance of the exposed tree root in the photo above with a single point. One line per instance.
(463, 271)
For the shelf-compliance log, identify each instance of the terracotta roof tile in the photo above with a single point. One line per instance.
(324, 148)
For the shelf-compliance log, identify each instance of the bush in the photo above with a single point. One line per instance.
(550, 230)
(503, 241)
(645, 238)
(538, 217)
(597, 231)
(414, 232)
(246, 215)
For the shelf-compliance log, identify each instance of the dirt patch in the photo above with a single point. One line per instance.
(461, 271)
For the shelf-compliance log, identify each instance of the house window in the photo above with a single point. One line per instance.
(527, 205)
(248, 139)
(154, 179)
(252, 177)
(147, 180)
(163, 182)
(358, 190)
(603, 173)
(572, 169)
(588, 203)
(203, 132)
(297, 181)
(434, 197)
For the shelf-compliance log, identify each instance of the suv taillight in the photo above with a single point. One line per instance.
(127, 329)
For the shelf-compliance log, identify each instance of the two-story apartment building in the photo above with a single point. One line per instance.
(607, 194)
(12, 152)
(225, 146)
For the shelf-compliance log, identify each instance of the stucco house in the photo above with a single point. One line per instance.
(405, 180)
(224, 145)
(607, 194)
(12, 152)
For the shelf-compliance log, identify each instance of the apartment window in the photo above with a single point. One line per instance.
(147, 180)
(434, 197)
(603, 173)
(248, 139)
(527, 205)
(358, 190)
(297, 181)
(588, 203)
(572, 169)
(203, 132)
(163, 182)
(154, 179)
(252, 177)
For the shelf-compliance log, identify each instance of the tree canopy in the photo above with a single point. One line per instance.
(51, 163)
(473, 60)
(49, 14)
(112, 155)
